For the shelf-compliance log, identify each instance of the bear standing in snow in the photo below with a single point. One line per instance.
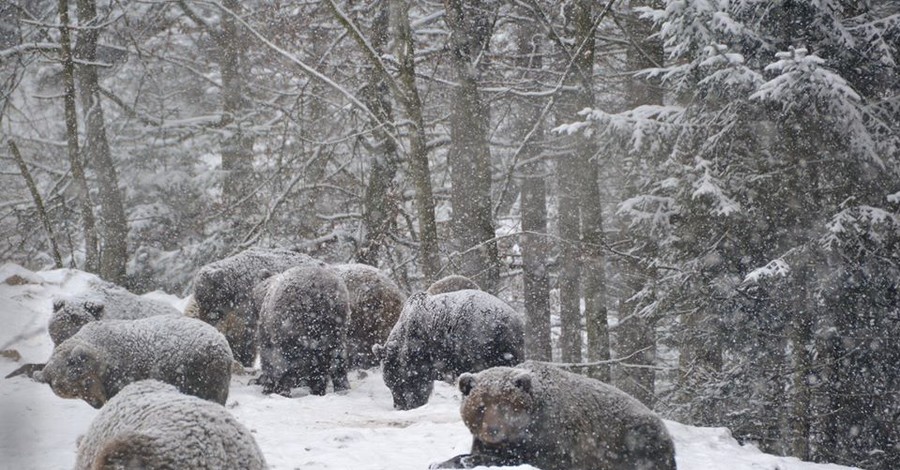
(453, 282)
(375, 304)
(441, 336)
(303, 331)
(105, 356)
(541, 415)
(149, 424)
(223, 294)
(102, 301)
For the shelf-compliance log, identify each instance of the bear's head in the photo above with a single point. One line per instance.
(75, 370)
(213, 295)
(131, 449)
(498, 405)
(69, 315)
(407, 373)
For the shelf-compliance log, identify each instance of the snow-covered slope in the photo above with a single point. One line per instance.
(352, 431)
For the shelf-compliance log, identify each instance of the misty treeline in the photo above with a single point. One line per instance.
(697, 200)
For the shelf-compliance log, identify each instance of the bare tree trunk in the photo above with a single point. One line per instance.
(580, 216)
(534, 210)
(237, 149)
(591, 210)
(429, 259)
(406, 93)
(636, 336)
(114, 254)
(567, 170)
(91, 244)
(378, 208)
(470, 155)
(38, 201)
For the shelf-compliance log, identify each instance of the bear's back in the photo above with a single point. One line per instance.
(175, 431)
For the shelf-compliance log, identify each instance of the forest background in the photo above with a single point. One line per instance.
(700, 196)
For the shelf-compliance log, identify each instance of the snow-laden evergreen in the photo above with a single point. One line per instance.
(762, 204)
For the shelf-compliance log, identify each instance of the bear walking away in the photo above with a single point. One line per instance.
(101, 301)
(375, 305)
(441, 336)
(453, 282)
(105, 356)
(151, 425)
(541, 415)
(223, 294)
(303, 331)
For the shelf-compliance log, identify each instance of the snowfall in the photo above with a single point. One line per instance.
(349, 431)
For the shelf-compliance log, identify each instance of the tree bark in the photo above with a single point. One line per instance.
(429, 259)
(38, 202)
(91, 243)
(470, 155)
(237, 148)
(114, 226)
(378, 208)
(580, 216)
(533, 205)
(635, 336)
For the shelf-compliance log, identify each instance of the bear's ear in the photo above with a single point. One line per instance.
(523, 382)
(418, 298)
(94, 308)
(466, 383)
(210, 278)
(58, 304)
(80, 355)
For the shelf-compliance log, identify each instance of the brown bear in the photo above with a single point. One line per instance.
(223, 294)
(303, 331)
(543, 416)
(105, 356)
(375, 305)
(150, 424)
(101, 301)
(441, 336)
(451, 283)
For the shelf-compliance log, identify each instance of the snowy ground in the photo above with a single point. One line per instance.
(353, 431)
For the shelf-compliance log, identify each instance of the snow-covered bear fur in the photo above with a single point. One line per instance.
(441, 336)
(541, 415)
(105, 356)
(375, 304)
(101, 301)
(453, 282)
(151, 425)
(223, 294)
(303, 331)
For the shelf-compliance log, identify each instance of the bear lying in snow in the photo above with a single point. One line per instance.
(223, 294)
(375, 304)
(105, 356)
(453, 282)
(441, 336)
(102, 301)
(303, 331)
(149, 424)
(543, 416)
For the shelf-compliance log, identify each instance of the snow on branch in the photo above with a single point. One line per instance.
(708, 185)
(872, 224)
(805, 84)
(775, 268)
